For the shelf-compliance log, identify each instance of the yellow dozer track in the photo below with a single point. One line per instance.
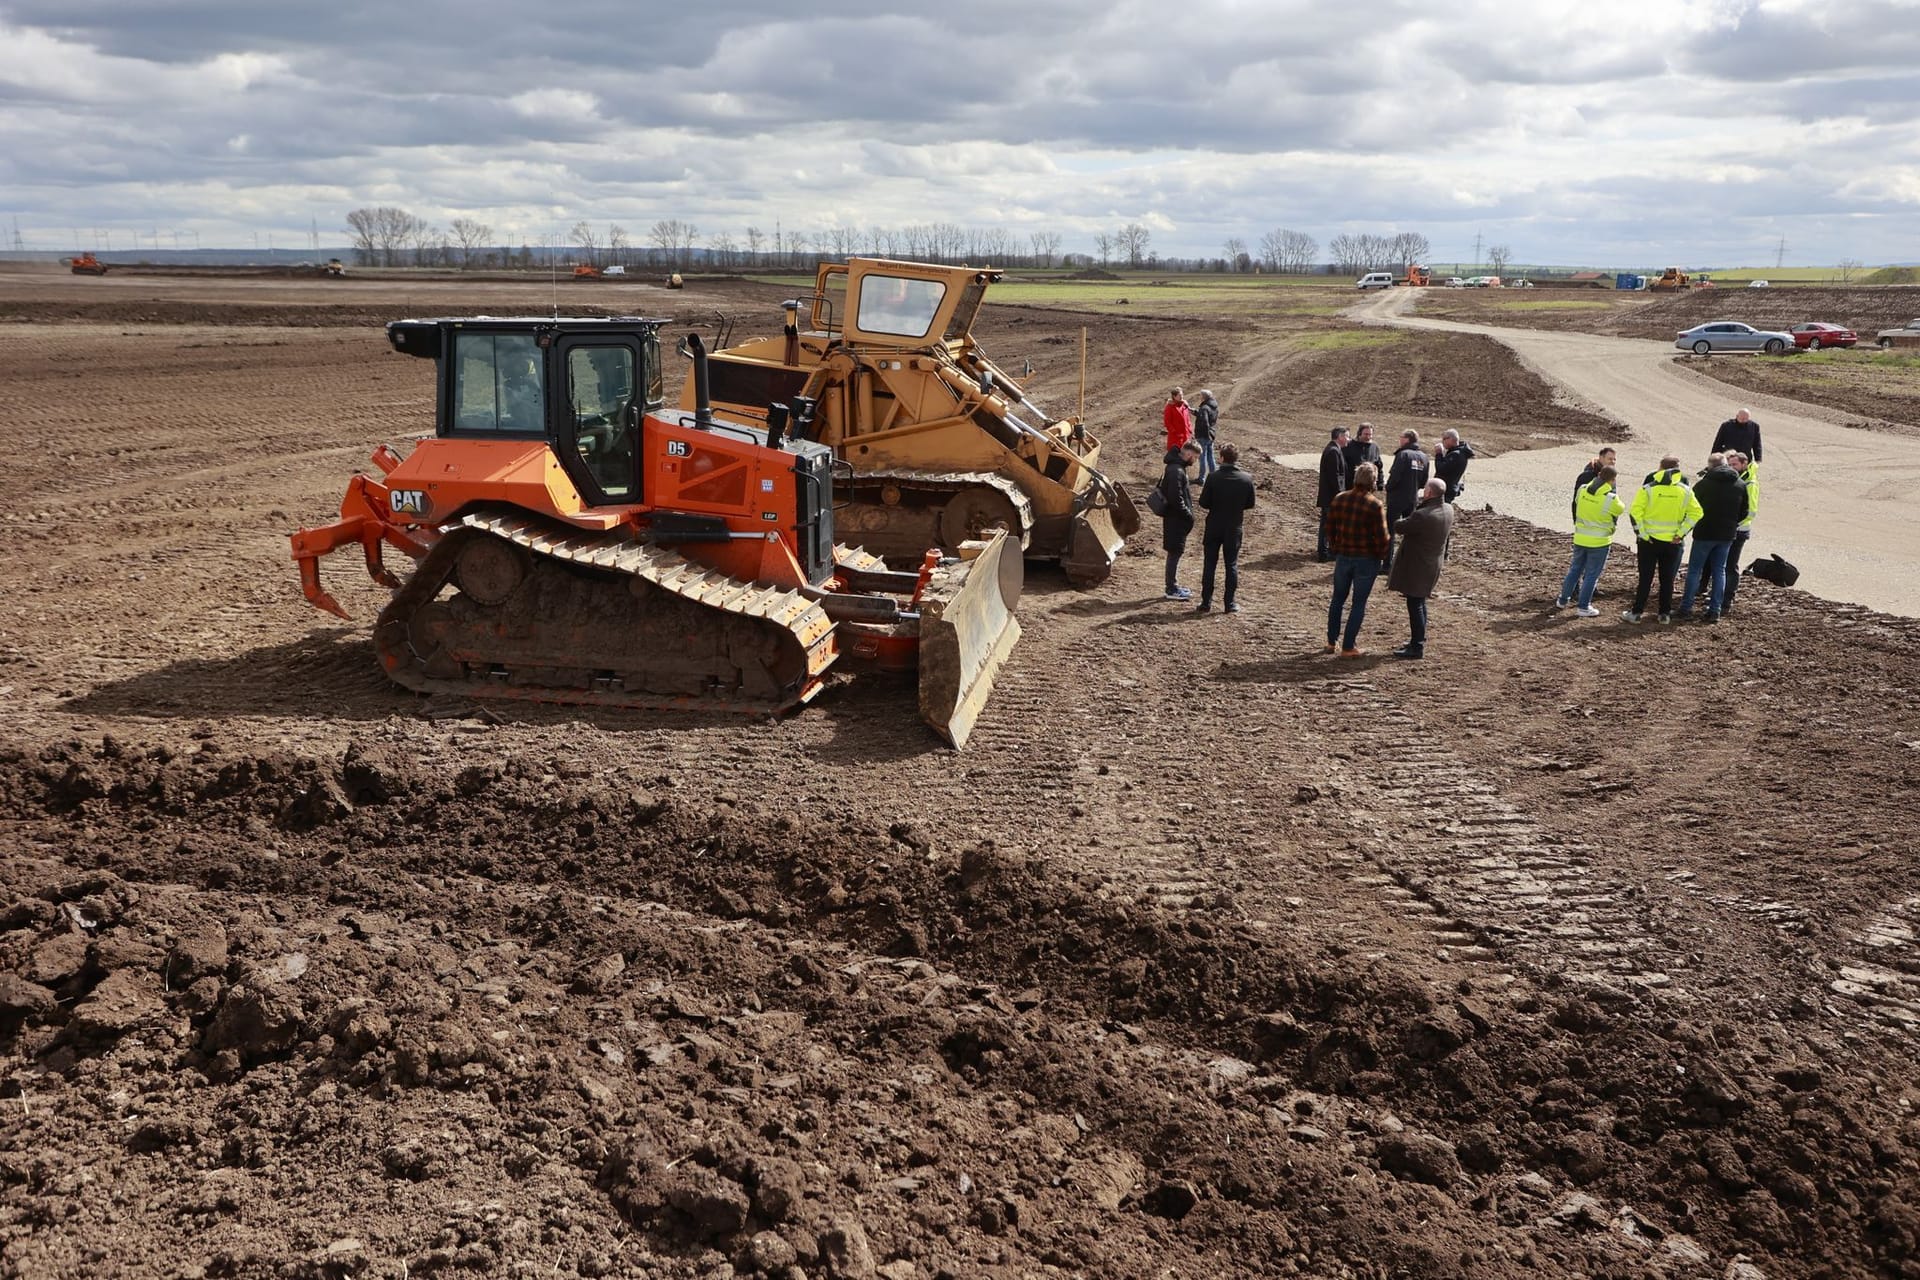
(943, 444)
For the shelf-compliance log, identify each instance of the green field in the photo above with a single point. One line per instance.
(1147, 293)
(1553, 304)
(1348, 339)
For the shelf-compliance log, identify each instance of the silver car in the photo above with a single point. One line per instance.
(1731, 335)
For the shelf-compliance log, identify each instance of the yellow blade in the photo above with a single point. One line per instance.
(967, 628)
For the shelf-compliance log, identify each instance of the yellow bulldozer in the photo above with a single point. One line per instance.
(942, 445)
(1670, 279)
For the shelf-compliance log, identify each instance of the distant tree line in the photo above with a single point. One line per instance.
(392, 237)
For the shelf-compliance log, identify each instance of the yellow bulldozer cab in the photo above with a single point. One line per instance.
(879, 302)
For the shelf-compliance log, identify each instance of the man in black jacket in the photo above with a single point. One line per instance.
(1333, 480)
(1177, 522)
(1405, 481)
(1723, 505)
(1226, 497)
(1362, 449)
(1738, 434)
(1450, 462)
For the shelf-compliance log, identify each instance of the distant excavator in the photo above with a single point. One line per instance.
(943, 443)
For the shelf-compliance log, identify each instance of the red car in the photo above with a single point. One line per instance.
(1815, 334)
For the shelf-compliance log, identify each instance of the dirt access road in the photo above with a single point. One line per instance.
(1835, 498)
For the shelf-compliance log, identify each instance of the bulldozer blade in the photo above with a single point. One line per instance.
(1125, 515)
(1093, 544)
(967, 628)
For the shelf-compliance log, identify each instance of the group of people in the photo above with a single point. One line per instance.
(1716, 510)
(1404, 531)
(1404, 526)
(1226, 495)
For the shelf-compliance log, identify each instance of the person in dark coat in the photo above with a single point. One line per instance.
(1226, 497)
(1362, 449)
(1206, 419)
(1405, 482)
(1333, 479)
(1424, 534)
(1450, 462)
(1601, 462)
(1738, 434)
(1723, 505)
(1177, 523)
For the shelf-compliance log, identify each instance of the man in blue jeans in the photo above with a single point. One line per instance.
(1357, 536)
(1723, 505)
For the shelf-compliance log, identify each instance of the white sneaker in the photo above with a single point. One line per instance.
(1561, 604)
(1588, 612)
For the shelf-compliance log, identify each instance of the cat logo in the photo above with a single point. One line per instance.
(408, 502)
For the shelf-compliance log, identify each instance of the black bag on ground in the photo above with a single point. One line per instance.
(1781, 573)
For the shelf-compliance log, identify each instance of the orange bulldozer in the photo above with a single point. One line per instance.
(87, 265)
(574, 541)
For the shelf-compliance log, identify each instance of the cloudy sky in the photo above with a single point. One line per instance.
(1596, 132)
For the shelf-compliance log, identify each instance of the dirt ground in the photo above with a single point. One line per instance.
(1577, 949)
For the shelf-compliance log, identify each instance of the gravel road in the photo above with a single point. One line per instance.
(1832, 492)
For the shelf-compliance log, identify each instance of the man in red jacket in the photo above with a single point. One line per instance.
(1178, 417)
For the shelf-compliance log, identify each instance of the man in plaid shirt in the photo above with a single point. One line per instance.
(1357, 536)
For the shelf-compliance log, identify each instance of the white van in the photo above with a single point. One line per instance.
(1375, 280)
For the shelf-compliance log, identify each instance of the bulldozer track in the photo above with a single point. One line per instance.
(765, 647)
(947, 485)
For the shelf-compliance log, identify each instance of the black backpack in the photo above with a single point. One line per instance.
(1781, 573)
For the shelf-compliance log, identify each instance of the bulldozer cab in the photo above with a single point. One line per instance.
(876, 302)
(582, 384)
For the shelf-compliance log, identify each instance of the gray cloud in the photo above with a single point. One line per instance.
(1573, 132)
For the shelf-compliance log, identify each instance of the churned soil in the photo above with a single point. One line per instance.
(1576, 948)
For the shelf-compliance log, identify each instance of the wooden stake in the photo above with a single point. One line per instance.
(1083, 373)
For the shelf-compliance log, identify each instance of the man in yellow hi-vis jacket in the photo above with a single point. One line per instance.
(1662, 513)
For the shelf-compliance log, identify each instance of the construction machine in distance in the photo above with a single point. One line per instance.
(944, 445)
(1670, 279)
(575, 542)
(1417, 276)
(585, 271)
(87, 265)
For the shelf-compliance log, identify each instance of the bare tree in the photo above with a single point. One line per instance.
(1046, 246)
(1848, 266)
(755, 239)
(1133, 240)
(1346, 251)
(363, 226)
(722, 249)
(1103, 245)
(471, 235)
(582, 235)
(1289, 252)
(1409, 248)
(1498, 256)
(1236, 251)
(385, 232)
(667, 235)
(619, 244)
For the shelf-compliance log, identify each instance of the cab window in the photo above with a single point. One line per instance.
(600, 388)
(898, 305)
(497, 383)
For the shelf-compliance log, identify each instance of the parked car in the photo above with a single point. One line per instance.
(1519, 284)
(1730, 335)
(1816, 334)
(615, 270)
(1455, 282)
(1375, 280)
(1906, 334)
(1759, 284)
